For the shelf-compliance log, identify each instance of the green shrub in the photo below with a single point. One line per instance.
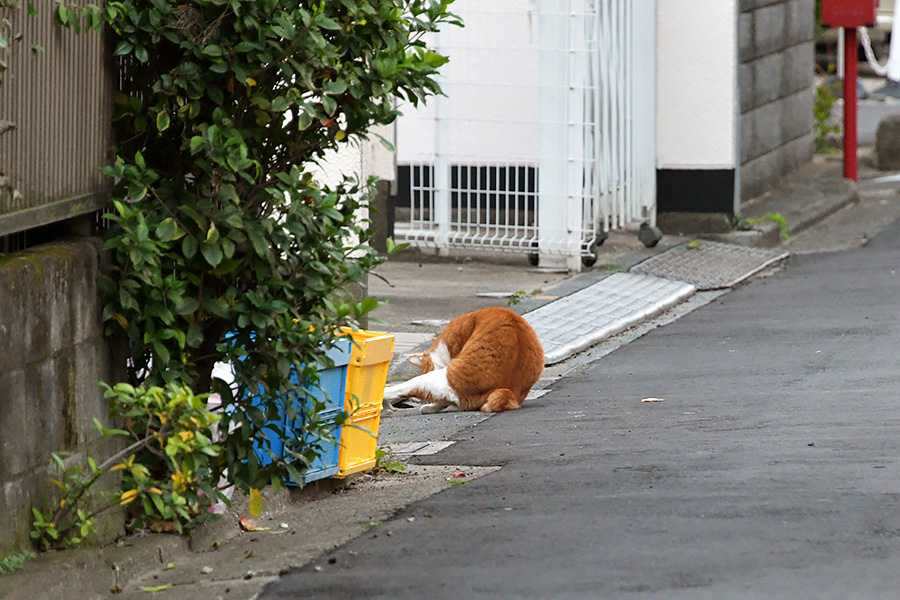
(224, 245)
(167, 467)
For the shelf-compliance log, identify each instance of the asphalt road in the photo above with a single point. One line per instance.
(869, 115)
(770, 470)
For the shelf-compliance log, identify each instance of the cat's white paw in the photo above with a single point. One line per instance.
(392, 392)
(426, 409)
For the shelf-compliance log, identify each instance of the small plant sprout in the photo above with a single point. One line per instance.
(387, 462)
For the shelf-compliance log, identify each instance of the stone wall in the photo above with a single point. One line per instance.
(52, 354)
(775, 79)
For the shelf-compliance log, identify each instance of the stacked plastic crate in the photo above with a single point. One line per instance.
(370, 358)
(354, 384)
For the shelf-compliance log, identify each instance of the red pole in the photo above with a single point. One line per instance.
(850, 74)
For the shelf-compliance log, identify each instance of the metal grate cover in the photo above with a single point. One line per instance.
(709, 265)
(576, 322)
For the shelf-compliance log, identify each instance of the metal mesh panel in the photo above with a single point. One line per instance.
(545, 137)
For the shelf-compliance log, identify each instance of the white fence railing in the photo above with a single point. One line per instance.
(546, 137)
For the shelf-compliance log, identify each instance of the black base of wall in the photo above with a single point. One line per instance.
(695, 191)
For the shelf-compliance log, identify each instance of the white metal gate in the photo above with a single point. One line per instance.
(546, 137)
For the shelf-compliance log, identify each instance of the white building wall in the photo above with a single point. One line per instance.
(697, 101)
(498, 44)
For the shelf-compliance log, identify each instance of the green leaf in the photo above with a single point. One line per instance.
(280, 104)
(260, 246)
(142, 231)
(62, 14)
(216, 306)
(168, 230)
(228, 248)
(162, 120)
(228, 266)
(368, 305)
(256, 503)
(194, 335)
(155, 588)
(304, 120)
(435, 60)
(393, 247)
(189, 246)
(212, 253)
(141, 54)
(326, 23)
(187, 306)
(329, 104)
(162, 352)
(196, 143)
(336, 87)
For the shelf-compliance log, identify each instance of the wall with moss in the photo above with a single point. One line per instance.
(52, 354)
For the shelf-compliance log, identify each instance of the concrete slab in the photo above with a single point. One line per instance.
(586, 317)
(709, 265)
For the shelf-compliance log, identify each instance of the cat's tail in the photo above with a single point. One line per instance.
(501, 399)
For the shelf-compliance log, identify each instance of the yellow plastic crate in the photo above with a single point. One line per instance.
(370, 357)
(357, 451)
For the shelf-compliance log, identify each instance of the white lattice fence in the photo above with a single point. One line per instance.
(545, 138)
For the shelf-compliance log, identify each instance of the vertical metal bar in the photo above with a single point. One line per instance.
(552, 131)
(575, 132)
(518, 199)
(850, 74)
(481, 206)
(649, 120)
(441, 182)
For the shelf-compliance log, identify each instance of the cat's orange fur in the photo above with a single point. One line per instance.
(489, 359)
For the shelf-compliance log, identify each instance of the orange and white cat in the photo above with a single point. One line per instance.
(485, 360)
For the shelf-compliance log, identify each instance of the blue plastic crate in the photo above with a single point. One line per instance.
(332, 385)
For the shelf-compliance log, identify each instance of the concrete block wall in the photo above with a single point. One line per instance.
(775, 81)
(52, 354)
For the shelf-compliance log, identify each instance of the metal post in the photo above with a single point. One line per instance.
(552, 205)
(849, 90)
(442, 213)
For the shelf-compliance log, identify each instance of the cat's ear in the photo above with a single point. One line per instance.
(416, 359)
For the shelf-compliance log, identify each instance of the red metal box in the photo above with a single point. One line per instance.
(849, 13)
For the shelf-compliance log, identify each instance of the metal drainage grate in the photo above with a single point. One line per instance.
(580, 320)
(709, 265)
